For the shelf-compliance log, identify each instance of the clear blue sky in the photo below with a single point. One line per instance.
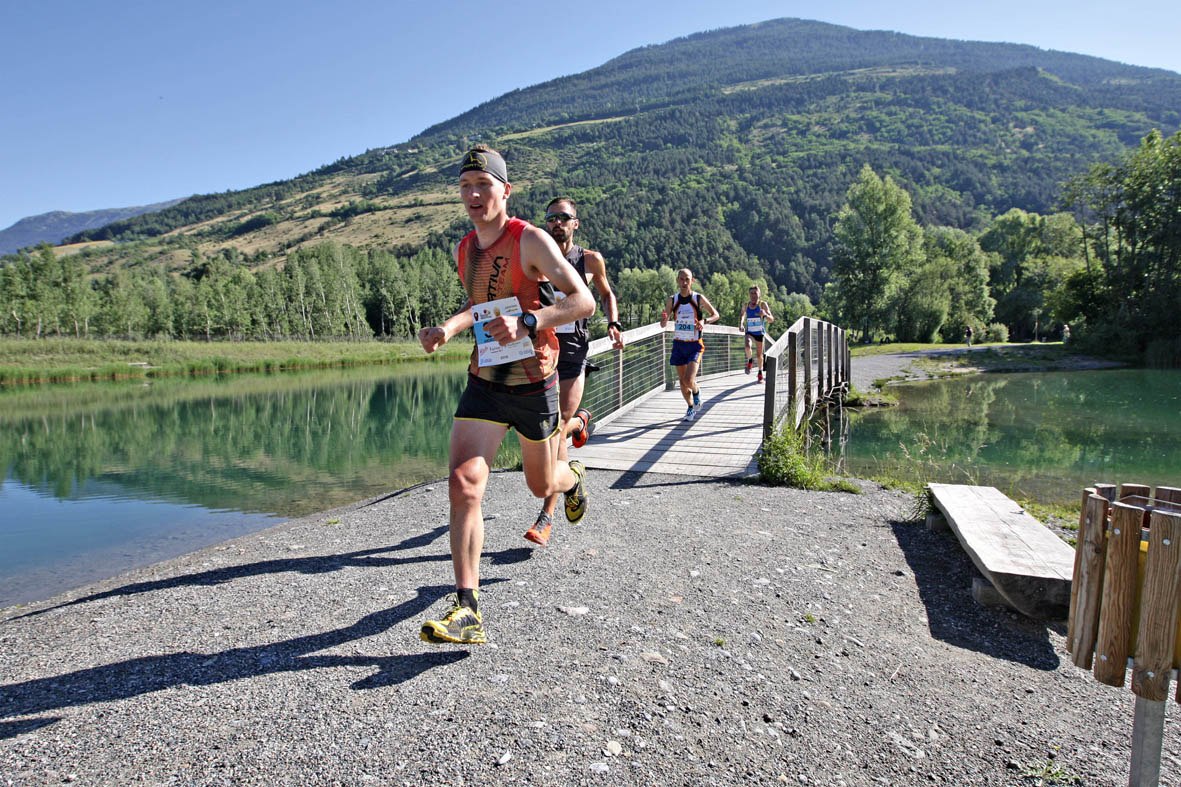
(111, 104)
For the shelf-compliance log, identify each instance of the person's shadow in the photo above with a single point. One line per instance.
(146, 674)
(317, 564)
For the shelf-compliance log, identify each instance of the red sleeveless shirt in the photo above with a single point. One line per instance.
(493, 273)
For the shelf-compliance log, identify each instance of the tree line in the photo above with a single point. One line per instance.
(1111, 268)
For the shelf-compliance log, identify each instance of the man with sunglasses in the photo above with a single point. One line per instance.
(561, 220)
(510, 270)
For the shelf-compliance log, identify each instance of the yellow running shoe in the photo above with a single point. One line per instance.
(460, 625)
(576, 497)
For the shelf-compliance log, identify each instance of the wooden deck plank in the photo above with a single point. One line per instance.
(653, 437)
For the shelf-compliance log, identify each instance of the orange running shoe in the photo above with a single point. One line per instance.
(580, 436)
(539, 533)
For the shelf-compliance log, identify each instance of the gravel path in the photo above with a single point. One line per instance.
(689, 632)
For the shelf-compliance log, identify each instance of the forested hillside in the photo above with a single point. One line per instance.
(729, 151)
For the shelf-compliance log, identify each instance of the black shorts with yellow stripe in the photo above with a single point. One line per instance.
(531, 409)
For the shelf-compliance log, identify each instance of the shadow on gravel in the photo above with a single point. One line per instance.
(320, 564)
(134, 677)
(630, 480)
(943, 574)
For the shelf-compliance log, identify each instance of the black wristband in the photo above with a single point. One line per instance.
(616, 325)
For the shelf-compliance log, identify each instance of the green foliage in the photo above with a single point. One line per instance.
(784, 460)
(995, 332)
(878, 242)
(1133, 214)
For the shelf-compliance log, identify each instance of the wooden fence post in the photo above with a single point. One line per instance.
(807, 364)
(770, 363)
(793, 382)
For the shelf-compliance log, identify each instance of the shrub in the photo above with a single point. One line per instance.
(784, 461)
(995, 332)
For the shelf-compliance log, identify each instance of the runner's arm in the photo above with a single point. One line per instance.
(668, 309)
(596, 266)
(767, 312)
(540, 256)
(434, 337)
(715, 315)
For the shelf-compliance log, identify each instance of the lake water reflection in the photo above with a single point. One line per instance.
(100, 479)
(1041, 435)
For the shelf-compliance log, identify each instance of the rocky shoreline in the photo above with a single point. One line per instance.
(690, 632)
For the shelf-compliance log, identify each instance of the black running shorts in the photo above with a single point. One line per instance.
(571, 356)
(530, 409)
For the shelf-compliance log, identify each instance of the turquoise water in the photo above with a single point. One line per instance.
(100, 479)
(1039, 435)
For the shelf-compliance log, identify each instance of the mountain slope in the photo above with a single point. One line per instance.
(724, 150)
(57, 225)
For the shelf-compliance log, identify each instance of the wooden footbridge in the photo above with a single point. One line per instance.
(639, 412)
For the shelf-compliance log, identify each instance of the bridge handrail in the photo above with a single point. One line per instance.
(629, 376)
(640, 370)
(804, 365)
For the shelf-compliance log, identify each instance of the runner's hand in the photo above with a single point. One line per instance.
(432, 338)
(506, 328)
(616, 337)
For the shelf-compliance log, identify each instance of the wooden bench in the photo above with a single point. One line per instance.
(1028, 566)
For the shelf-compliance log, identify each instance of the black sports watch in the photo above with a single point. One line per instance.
(529, 320)
(615, 325)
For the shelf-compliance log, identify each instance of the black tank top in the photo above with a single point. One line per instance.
(581, 330)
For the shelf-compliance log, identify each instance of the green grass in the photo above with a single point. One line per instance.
(891, 348)
(875, 398)
(784, 461)
(32, 361)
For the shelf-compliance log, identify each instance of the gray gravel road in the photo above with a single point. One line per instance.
(689, 632)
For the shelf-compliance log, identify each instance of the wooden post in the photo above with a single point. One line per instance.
(828, 356)
(663, 355)
(819, 378)
(1120, 583)
(1092, 542)
(1157, 634)
(807, 364)
(793, 382)
(1107, 491)
(1134, 490)
(770, 362)
(1170, 496)
(619, 379)
(1078, 559)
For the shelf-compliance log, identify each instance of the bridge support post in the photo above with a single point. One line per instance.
(619, 379)
(793, 377)
(808, 371)
(770, 364)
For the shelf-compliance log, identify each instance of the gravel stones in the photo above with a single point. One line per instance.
(858, 658)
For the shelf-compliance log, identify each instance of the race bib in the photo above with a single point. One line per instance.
(489, 352)
(686, 330)
(754, 324)
(568, 327)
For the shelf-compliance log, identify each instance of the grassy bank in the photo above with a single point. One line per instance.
(30, 361)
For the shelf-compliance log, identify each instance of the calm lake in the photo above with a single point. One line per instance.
(1039, 435)
(99, 479)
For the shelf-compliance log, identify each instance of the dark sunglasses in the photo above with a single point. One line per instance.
(562, 217)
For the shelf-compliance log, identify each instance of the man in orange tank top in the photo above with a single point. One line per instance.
(509, 269)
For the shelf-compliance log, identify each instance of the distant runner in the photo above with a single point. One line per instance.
(561, 219)
(509, 269)
(684, 308)
(754, 320)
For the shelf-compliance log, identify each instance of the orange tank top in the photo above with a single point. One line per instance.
(493, 273)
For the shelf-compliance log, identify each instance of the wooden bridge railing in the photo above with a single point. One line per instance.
(806, 365)
(627, 377)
